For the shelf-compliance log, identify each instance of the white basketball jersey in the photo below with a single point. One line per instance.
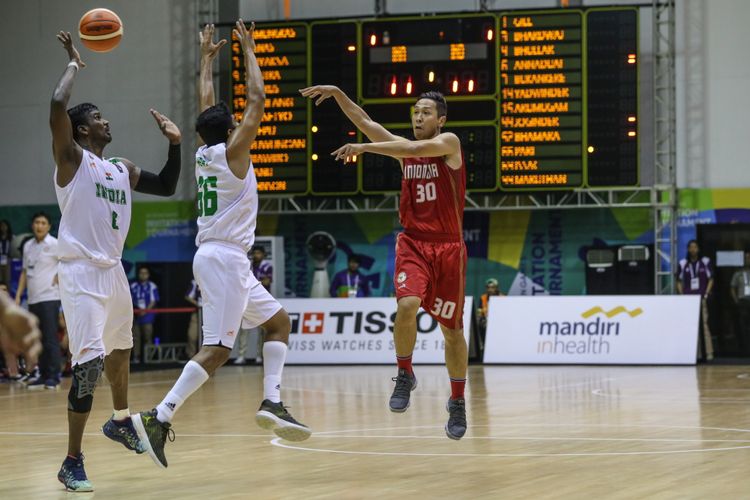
(95, 208)
(227, 206)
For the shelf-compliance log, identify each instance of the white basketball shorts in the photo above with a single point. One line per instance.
(232, 296)
(98, 309)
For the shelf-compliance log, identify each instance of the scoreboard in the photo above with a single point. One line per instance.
(541, 100)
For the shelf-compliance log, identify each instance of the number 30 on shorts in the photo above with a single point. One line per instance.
(426, 192)
(444, 309)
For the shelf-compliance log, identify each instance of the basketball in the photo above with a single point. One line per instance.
(100, 30)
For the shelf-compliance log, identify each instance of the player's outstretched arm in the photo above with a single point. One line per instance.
(209, 51)
(240, 140)
(165, 183)
(445, 144)
(66, 152)
(372, 129)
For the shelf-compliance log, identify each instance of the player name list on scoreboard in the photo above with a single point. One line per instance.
(541, 100)
(279, 152)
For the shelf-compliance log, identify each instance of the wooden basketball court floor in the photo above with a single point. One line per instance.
(535, 432)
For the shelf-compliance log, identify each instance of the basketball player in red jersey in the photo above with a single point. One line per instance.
(430, 253)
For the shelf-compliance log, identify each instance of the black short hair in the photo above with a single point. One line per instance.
(691, 242)
(41, 214)
(10, 228)
(258, 247)
(440, 104)
(214, 123)
(355, 258)
(79, 115)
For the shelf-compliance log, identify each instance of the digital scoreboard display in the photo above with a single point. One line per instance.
(541, 100)
(279, 152)
(402, 58)
(541, 108)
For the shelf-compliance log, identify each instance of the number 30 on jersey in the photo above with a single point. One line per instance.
(426, 192)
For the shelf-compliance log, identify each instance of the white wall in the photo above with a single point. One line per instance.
(145, 71)
(713, 104)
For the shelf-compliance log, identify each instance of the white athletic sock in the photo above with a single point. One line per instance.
(120, 414)
(274, 355)
(193, 376)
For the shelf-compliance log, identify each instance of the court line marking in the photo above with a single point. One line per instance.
(700, 399)
(277, 442)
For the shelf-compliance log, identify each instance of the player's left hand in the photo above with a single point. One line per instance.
(167, 127)
(245, 36)
(348, 152)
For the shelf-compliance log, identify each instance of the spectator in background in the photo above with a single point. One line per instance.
(695, 277)
(263, 272)
(194, 297)
(740, 290)
(145, 295)
(39, 274)
(492, 287)
(350, 282)
(6, 238)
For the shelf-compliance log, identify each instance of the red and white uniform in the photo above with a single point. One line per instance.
(430, 253)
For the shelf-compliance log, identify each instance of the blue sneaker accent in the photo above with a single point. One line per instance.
(73, 475)
(124, 433)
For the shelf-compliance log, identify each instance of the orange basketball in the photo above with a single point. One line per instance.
(100, 30)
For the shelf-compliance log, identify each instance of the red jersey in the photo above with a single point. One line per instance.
(432, 199)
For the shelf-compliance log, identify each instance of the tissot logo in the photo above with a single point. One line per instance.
(313, 322)
(357, 322)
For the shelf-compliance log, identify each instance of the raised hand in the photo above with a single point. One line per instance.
(348, 152)
(322, 92)
(67, 41)
(167, 127)
(209, 49)
(245, 36)
(19, 331)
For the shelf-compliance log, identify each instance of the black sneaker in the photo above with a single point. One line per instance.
(73, 475)
(35, 384)
(153, 434)
(456, 426)
(405, 383)
(124, 433)
(274, 416)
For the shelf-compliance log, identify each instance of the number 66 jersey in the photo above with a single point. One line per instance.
(227, 205)
(430, 253)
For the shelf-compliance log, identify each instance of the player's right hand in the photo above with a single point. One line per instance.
(19, 332)
(67, 41)
(209, 49)
(322, 92)
(245, 36)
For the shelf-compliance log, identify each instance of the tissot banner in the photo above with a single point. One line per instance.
(358, 331)
(632, 329)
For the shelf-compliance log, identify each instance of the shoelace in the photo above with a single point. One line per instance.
(170, 435)
(77, 470)
(403, 386)
(458, 412)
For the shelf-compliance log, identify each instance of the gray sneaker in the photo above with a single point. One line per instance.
(275, 417)
(405, 383)
(456, 426)
(153, 434)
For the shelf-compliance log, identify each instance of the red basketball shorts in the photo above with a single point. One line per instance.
(436, 273)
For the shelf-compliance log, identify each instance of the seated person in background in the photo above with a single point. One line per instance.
(740, 290)
(145, 295)
(492, 288)
(350, 282)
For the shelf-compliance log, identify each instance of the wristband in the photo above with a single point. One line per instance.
(74, 64)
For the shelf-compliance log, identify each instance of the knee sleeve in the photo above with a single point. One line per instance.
(85, 377)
